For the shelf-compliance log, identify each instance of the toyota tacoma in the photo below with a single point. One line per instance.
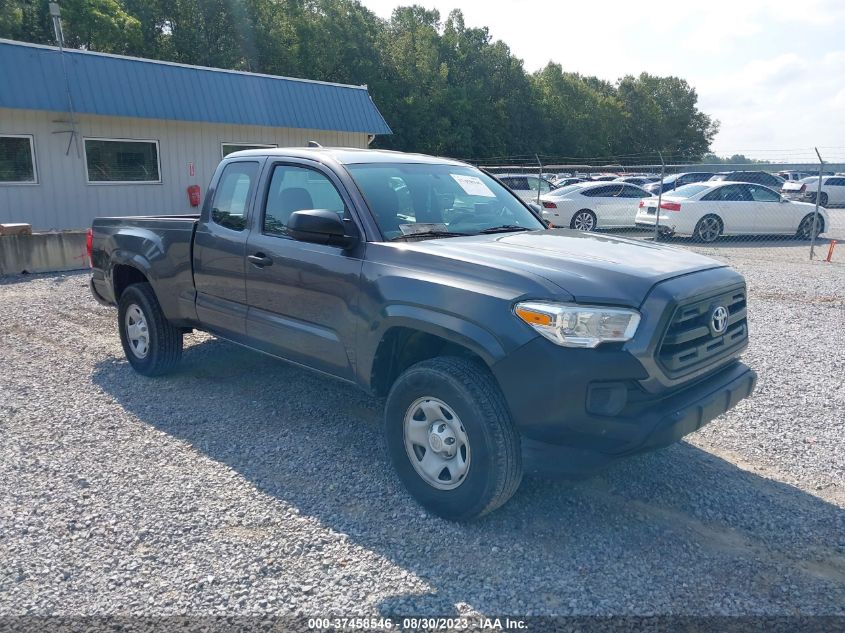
(500, 344)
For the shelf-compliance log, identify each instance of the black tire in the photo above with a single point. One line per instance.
(708, 231)
(164, 343)
(805, 228)
(584, 220)
(495, 464)
(823, 199)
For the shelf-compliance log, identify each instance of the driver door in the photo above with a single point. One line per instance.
(302, 296)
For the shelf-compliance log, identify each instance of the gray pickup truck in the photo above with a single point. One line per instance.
(497, 342)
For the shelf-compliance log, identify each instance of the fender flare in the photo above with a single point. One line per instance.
(121, 257)
(449, 327)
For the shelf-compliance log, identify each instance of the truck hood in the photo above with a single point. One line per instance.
(590, 267)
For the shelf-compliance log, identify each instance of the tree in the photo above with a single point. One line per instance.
(444, 87)
(661, 113)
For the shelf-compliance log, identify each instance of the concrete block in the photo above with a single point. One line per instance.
(15, 229)
(43, 252)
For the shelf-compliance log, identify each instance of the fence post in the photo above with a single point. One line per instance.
(816, 212)
(659, 196)
(539, 177)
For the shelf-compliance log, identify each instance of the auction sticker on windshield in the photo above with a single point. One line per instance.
(473, 186)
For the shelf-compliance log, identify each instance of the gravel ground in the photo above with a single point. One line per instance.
(242, 485)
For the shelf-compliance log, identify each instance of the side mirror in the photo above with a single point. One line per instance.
(535, 207)
(319, 226)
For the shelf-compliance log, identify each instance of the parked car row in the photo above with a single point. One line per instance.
(703, 210)
(832, 190)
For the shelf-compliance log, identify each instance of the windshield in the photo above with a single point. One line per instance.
(687, 191)
(414, 199)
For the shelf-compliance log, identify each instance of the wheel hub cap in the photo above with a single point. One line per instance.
(436, 443)
(442, 440)
(137, 332)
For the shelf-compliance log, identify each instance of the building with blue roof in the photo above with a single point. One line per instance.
(86, 134)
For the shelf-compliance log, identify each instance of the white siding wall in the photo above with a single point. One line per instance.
(63, 199)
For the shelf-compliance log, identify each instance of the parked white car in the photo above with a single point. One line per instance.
(526, 186)
(791, 174)
(587, 206)
(708, 210)
(833, 190)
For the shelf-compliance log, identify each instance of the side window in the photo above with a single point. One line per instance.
(763, 194)
(232, 195)
(836, 182)
(597, 192)
(294, 188)
(729, 193)
(632, 192)
(545, 187)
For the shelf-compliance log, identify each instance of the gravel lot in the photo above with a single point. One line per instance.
(242, 485)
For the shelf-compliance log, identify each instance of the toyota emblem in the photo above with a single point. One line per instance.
(719, 320)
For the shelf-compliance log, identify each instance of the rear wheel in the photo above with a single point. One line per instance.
(584, 220)
(805, 229)
(823, 199)
(152, 345)
(451, 439)
(708, 229)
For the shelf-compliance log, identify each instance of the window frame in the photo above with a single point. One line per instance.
(88, 180)
(35, 180)
(252, 146)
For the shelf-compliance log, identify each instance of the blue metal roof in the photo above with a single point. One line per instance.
(31, 78)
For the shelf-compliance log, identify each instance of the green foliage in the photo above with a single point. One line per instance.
(444, 88)
(736, 159)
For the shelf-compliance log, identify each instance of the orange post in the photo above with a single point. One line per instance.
(830, 250)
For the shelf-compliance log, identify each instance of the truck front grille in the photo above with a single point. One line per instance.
(690, 342)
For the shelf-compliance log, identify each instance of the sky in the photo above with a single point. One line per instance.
(771, 71)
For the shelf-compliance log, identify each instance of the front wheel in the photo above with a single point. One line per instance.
(152, 345)
(806, 228)
(451, 438)
(584, 220)
(708, 229)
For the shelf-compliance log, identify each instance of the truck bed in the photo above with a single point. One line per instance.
(159, 246)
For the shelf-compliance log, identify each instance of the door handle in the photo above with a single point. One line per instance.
(260, 260)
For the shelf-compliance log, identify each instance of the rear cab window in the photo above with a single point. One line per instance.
(233, 193)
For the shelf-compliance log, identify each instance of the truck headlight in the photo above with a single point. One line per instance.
(579, 326)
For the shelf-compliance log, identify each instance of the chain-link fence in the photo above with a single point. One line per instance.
(772, 210)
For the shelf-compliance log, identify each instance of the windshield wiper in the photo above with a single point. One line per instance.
(504, 228)
(424, 234)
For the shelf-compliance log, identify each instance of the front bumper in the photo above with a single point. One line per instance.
(662, 422)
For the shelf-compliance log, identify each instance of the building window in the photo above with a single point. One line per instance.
(122, 161)
(228, 148)
(17, 159)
